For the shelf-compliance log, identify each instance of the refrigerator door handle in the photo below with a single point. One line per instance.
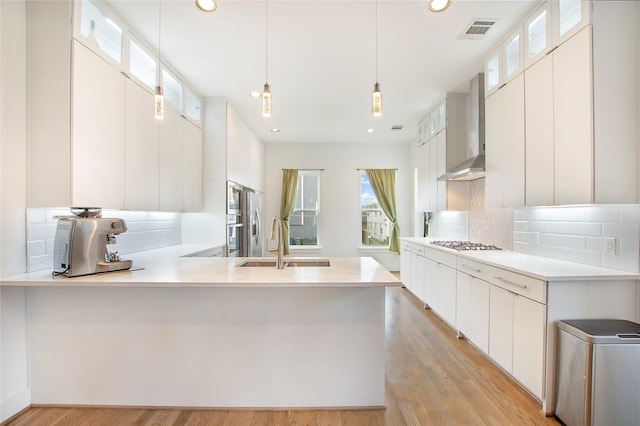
(256, 227)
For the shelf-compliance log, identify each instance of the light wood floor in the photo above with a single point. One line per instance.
(432, 378)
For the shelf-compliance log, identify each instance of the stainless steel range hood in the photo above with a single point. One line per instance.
(473, 167)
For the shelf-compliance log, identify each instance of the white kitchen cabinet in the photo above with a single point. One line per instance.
(472, 309)
(192, 190)
(141, 150)
(447, 293)
(433, 175)
(517, 336)
(512, 49)
(171, 159)
(441, 186)
(504, 147)
(424, 185)
(539, 124)
(245, 153)
(405, 263)
(573, 121)
(569, 17)
(501, 327)
(493, 72)
(431, 284)
(537, 31)
(98, 167)
(417, 271)
(528, 343)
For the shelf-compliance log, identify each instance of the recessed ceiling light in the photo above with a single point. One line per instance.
(439, 5)
(369, 130)
(274, 130)
(206, 5)
(255, 94)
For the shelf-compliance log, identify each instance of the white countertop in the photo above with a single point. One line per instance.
(164, 268)
(542, 268)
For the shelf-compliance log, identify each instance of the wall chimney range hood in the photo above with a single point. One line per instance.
(473, 167)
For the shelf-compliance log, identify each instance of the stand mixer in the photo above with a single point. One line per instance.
(81, 244)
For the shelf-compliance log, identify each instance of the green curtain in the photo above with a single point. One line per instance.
(383, 183)
(287, 203)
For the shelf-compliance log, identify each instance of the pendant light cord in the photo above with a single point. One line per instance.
(266, 41)
(376, 41)
(159, 73)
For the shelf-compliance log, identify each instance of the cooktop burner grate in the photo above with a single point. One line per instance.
(465, 245)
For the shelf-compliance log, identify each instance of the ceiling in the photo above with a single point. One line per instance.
(322, 59)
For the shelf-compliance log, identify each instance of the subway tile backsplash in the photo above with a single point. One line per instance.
(145, 231)
(580, 234)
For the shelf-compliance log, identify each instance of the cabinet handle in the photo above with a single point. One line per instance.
(511, 282)
(471, 268)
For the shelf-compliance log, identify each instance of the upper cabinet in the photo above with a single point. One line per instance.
(580, 106)
(103, 147)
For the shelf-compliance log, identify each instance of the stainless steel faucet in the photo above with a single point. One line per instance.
(276, 228)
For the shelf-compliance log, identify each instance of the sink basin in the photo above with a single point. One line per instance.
(293, 263)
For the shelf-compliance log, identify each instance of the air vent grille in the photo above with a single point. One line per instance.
(477, 29)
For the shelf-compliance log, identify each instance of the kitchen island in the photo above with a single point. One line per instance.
(207, 332)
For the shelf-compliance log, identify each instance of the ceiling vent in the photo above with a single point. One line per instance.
(477, 29)
(397, 127)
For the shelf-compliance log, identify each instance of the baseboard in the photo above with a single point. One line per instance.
(14, 405)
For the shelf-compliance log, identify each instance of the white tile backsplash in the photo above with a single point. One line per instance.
(577, 233)
(145, 231)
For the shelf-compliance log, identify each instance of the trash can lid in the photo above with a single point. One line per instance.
(612, 330)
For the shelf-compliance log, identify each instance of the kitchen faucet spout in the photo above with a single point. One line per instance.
(276, 232)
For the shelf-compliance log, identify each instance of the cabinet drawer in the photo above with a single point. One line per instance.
(417, 249)
(516, 283)
(405, 245)
(441, 257)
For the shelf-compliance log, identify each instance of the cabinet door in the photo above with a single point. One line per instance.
(447, 293)
(433, 174)
(422, 195)
(493, 151)
(513, 56)
(141, 176)
(529, 343)
(441, 186)
(463, 303)
(513, 142)
(501, 327)
(537, 29)
(492, 71)
(405, 265)
(479, 314)
(171, 160)
(192, 140)
(97, 132)
(431, 284)
(573, 124)
(570, 16)
(539, 133)
(417, 276)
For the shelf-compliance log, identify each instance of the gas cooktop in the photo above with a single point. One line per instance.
(464, 245)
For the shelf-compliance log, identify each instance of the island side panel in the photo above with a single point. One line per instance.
(214, 347)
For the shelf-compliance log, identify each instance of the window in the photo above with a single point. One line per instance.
(142, 65)
(172, 89)
(375, 225)
(100, 30)
(303, 222)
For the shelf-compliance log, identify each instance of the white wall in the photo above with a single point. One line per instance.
(340, 218)
(14, 373)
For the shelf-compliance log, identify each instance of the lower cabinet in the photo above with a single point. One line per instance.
(472, 310)
(447, 293)
(417, 274)
(431, 284)
(405, 263)
(516, 336)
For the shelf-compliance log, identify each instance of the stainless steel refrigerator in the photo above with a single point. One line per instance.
(252, 220)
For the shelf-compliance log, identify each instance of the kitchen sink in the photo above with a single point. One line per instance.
(294, 263)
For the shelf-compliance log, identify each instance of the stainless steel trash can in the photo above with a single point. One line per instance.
(598, 372)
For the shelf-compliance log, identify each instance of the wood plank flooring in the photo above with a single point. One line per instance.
(432, 378)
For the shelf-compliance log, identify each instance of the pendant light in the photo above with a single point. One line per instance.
(376, 104)
(159, 98)
(266, 93)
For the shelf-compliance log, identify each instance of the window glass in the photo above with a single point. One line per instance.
(172, 90)
(538, 34)
(375, 224)
(493, 71)
(142, 65)
(100, 31)
(512, 55)
(192, 106)
(303, 222)
(570, 14)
